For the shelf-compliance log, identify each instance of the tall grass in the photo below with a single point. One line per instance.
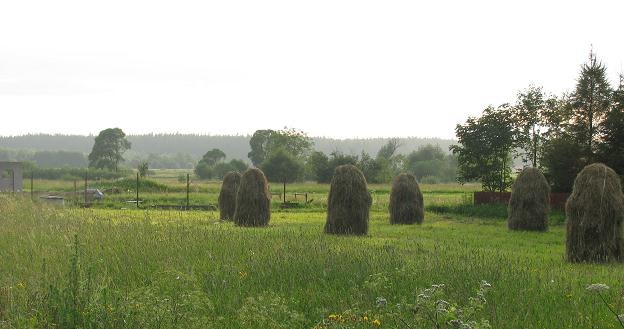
(96, 268)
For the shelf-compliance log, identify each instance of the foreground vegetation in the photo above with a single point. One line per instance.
(101, 268)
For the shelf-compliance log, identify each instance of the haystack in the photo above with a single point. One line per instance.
(594, 213)
(253, 200)
(529, 204)
(348, 202)
(406, 201)
(227, 196)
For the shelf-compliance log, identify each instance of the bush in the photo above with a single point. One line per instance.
(227, 196)
(253, 200)
(406, 201)
(594, 213)
(348, 203)
(430, 180)
(125, 184)
(529, 204)
(562, 159)
(203, 171)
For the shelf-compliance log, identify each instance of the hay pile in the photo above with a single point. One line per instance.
(594, 213)
(253, 200)
(529, 204)
(406, 201)
(227, 196)
(348, 202)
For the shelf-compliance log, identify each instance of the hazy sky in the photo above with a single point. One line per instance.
(331, 68)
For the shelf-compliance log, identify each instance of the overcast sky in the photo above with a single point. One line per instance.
(331, 68)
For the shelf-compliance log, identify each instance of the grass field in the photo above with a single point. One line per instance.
(108, 267)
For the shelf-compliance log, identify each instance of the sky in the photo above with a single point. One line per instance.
(336, 68)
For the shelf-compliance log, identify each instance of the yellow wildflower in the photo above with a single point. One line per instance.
(376, 323)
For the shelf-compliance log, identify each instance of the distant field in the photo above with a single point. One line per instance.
(111, 268)
(172, 191)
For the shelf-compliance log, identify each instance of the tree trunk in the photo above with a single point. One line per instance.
(534, 148)
(284, 192)
(590, 110)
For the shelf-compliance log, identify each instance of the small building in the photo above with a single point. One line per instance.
(11, 176)
(54, 200)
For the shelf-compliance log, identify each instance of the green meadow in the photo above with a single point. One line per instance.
(113, 266)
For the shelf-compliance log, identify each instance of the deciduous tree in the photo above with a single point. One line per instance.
(107, 152)
(485, 148)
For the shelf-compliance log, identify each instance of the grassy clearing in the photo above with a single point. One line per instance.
(99, 268)
(161, 189)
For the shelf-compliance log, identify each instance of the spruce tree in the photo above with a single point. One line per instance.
(611, 148)
(590, 104)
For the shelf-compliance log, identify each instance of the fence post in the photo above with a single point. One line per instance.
(137, 191)
(75, 192)
(188, 180)
(86, 184)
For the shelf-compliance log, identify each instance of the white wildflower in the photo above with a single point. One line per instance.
(597, 287)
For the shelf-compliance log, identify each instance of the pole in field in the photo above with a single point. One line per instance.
(75, 191)
(86, 183)
(188, 180)
(137, 191)
(32, 192)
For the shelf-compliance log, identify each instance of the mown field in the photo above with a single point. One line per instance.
(107, 267)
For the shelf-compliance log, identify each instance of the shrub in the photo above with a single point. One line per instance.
(529, 204)
(406, 201)
(348, 202)
(253, 200)
(129, 184)
(594, 213)
(430, 180)
(227, 196)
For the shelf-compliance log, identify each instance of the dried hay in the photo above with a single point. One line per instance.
(406, 201)
(227, 196)
(253, 200)
(529, 204)
(348, 203)
(594, 213)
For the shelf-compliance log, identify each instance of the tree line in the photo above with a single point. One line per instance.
(288, 155)
(182, 151)
(558, 134)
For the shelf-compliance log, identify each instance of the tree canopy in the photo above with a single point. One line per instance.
(108, 149)
(485, 149)
(292, 141)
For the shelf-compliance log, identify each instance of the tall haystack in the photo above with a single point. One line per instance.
(406, 201)
(348, 202)
(594, 214)
(227, 196)
(529, 204)
(253, 200)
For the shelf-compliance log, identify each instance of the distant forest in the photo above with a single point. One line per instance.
(176, 150)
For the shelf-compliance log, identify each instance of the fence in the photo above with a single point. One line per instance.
(557, 200)
(86, 194)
